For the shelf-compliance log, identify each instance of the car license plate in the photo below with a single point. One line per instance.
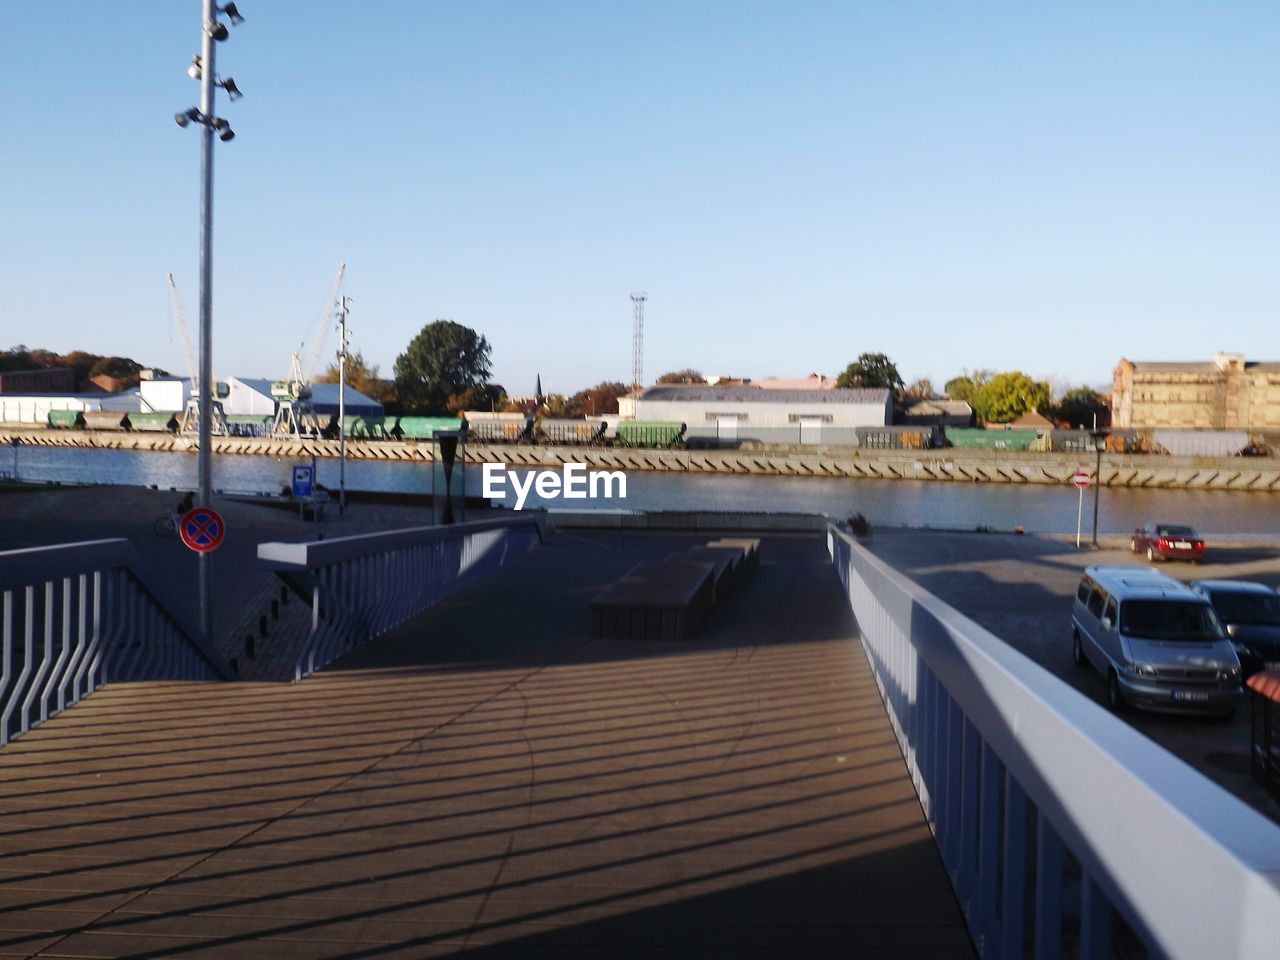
(1182, 545)
(1197, 695)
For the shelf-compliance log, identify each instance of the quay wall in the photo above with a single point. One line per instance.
(944, 465)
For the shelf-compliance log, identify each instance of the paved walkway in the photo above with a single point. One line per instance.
(490, 779)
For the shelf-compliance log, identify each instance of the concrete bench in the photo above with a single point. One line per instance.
(750, 547)
(724, 568)
(655, 601)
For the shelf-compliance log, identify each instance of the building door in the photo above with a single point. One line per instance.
(727, 428)
(810, 429)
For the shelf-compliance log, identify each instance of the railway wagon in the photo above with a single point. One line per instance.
(365, 428)
(65, 419)
(589, 432)
(976, 438)
(250, 424)
(424, 428)
(899, 438)
(153, 422)
(105, 420)
(499, 427)
(650, 433)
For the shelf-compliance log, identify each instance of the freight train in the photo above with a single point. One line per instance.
(519, 428)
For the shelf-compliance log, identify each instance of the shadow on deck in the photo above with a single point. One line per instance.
(489, 779)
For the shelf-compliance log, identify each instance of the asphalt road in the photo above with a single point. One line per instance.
(1021, 589)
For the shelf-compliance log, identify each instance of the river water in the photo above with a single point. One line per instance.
(1037, 508)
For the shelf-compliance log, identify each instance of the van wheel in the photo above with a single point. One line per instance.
(1152, 556)
(1077, 650)
(1115, 697)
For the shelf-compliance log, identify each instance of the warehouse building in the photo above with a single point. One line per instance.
(252, 395)
(729, 415)
(1226, 393)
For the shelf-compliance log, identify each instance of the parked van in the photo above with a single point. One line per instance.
(1157, 642)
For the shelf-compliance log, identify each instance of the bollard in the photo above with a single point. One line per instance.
(248, 646)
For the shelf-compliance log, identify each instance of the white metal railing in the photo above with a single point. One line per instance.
(362, 586)
(78, 615)
(989, 736)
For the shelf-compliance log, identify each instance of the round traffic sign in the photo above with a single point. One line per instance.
(1081, 479)
(201, 529)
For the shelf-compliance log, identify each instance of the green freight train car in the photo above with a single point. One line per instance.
(365, 428)
(975, 438)
(250, 424)
(153, 422)
(65, 419)
(424, 428)
(650, 433)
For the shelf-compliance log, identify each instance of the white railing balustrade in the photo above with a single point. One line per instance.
(360, 587)
(76, 616)
(1055, 819)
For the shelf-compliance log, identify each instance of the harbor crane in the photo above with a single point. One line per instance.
(190, 422)
(295, 414)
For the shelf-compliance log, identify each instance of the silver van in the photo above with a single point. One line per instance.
(1158, 643)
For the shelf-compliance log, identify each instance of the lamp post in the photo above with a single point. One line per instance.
(1099, 444)
(212, 32)
(344, 305)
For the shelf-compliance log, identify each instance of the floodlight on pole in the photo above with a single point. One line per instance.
(203, 69)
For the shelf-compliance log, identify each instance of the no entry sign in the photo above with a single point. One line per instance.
(1081, 479)
(201, 529)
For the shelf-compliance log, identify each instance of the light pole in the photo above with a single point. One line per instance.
(212, 32)
(1099, 444)
(344, 305)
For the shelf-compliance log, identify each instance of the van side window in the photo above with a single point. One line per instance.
(1096, 601)
(1082, 591)
(1110, 612)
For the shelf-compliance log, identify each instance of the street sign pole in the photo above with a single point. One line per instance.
(1079, 514)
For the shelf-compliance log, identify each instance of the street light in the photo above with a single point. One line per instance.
(212, 30)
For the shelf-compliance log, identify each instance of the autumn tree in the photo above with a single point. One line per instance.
(1082, 407)
(688, 375)
(596, 401)
(362, 377)
(966, 386)
(490, 397)
(921, 389)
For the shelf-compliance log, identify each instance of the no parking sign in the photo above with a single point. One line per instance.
(201, 529)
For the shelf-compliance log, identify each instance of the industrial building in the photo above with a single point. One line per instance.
(725, 415)
(36, 407)
(253, 395)
(1226, 393)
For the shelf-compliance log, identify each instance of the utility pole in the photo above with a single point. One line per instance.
(343, 306)
(637, 339)
(1099, 443)
(203, 68)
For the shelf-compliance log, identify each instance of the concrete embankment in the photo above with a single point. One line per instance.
(963, 466)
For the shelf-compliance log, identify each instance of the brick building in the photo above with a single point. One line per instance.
(42, 380)
(1226, 393)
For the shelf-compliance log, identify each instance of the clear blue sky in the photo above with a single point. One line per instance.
(1041, 186)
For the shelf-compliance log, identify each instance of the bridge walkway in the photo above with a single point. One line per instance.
(489, 779)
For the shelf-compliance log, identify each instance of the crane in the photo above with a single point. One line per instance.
(191, 413)
(295, 416)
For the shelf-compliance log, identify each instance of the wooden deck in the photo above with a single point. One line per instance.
(490, 779)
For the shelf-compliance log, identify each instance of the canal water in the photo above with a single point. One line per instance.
(1037, 508)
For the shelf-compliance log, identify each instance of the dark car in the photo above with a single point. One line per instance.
(1168, 541)
(1251, 614)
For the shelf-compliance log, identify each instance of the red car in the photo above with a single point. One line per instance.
(1168, 541)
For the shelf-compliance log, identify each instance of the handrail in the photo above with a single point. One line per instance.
(362, 586)
(1192, 870)
(75, 616)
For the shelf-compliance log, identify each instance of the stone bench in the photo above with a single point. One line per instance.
(655, 601)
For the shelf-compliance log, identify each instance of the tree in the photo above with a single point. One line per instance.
(921, 389)
(966, 386)
(442, 360)
(872, 370)
(362, 377)
(596, 401)
(687, 375)
(1007, 396)
(490, 397)
(1078, 407)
